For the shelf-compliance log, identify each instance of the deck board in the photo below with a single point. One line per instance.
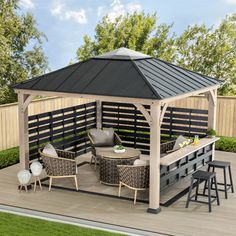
(174, 220)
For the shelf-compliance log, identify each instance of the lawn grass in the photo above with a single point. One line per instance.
(15, 225)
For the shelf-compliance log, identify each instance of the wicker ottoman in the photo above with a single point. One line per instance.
(109, 161)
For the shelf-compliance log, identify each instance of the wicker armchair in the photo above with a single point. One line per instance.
(167, 146)
(133, 177)
(63, 166)
(95, 157)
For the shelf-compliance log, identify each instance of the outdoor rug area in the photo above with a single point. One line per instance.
(88, 179)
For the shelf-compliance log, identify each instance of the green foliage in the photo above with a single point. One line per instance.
(210, 132)
(9, 157)
(15, 225)
(207, 50)
(135, 31)
(211, 51)
(227, 144)
(21, 51)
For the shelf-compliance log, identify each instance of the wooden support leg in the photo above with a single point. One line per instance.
(37, 179)
(135, 196)
(76, 183)
(50, 183)
(119, 189)
(35, 183)
(39, 183)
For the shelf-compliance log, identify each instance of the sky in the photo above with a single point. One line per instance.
(65, 22)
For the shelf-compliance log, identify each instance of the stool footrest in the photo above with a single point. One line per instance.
(202, 201)
(219, 189)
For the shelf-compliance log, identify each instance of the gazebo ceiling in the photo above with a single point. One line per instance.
(122, 73)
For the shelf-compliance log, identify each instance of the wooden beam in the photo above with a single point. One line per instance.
(154, 188)
(99, 114)
(163, 110)
(23, 130)
(194, 93)
(145, 113)
(87, 96)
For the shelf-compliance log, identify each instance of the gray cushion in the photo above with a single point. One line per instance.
(102, 138)
(140, 162)
(178, 141)
(50, 150)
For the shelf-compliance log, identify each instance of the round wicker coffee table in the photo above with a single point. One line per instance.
(109, 161)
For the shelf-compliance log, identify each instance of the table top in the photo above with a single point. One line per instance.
(129, 153)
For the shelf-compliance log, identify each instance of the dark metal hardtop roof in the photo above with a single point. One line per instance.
(122, 75)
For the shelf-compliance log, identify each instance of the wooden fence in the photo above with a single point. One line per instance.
(226, 114)
(9, 116)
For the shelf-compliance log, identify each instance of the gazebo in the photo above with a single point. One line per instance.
(127, 77)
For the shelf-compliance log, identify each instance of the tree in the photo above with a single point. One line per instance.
(135, 31)
(209, 51)
(19, 60)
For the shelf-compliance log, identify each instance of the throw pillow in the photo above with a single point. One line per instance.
(140, 162)
(178, 141)
(50, 150)
(102, 138)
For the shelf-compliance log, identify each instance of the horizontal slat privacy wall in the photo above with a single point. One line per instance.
(184, 121)
(135, 132)
(64, 128)
(129, 123)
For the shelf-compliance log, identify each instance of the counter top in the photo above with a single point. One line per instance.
(185, 151)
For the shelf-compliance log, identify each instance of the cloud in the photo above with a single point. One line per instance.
(77, 16)
(57, 9)
(63, 13)
(132, 7)
(26, 4)
(233, 2)
(117, 8)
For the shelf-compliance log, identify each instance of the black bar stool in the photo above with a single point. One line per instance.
(222, 165)
(208, 177)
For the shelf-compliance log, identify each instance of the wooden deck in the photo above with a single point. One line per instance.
(173, 220)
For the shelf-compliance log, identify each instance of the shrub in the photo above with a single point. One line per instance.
(227, 144)
(211, 132)
(9, 157)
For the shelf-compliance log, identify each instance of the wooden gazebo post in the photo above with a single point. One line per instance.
(155, 133)
(212, 105)
(23, 102)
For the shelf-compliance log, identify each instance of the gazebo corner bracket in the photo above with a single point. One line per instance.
(145, 113)
(163, 110)
(27, 101)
